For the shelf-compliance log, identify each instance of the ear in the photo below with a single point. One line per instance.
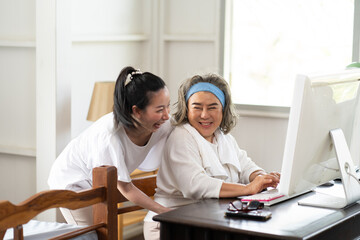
(136, 111)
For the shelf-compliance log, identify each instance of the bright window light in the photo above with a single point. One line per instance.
(270, 41)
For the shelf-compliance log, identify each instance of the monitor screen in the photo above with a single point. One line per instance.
(321, 103)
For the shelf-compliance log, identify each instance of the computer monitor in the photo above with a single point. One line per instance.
(323, 103)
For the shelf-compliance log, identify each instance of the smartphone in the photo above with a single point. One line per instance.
(260, 214)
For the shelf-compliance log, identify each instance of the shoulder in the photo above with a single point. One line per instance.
(103, 125)
(100, 134)
(180, 131)
(166, 128)
(230, 138)
(181, 136)
(181, 143)
(227, 140)
(230, 141)
(221, 136)
(164, 131)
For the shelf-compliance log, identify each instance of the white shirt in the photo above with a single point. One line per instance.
(192, 168)
(102, 144)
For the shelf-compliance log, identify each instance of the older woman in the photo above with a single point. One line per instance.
(201, 159)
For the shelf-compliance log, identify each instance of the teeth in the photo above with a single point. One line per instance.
(205, 124)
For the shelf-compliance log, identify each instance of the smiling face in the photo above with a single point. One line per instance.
(156, 113)
(205, 113)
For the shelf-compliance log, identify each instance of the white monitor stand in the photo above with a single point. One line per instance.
(350, 181)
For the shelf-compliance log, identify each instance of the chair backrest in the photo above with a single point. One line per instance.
(103, 197)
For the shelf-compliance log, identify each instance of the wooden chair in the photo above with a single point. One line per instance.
(130, 214)
(103, 197)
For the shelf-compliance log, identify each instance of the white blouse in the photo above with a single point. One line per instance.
(102, 144)
(192, 168)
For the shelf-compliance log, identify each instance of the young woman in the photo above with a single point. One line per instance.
(201, 159)
(132, 136)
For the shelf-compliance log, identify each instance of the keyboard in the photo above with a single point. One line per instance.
(268, 197)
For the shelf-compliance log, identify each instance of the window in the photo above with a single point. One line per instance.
(268, 42)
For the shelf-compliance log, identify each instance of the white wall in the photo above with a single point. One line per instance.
(188, 40)
(17, 99)
(77, 46)
(105, 38)
(17, 176)
(263, 138)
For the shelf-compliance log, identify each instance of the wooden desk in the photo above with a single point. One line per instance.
(206, 220)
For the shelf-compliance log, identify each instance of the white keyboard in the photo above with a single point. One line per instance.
(268, 197)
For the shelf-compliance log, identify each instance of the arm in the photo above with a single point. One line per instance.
(259, 180)
(136, 196)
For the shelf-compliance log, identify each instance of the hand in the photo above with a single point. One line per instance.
(164, 209)
(262, 181)
(275, 174)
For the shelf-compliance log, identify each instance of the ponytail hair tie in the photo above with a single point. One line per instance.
(129, 77)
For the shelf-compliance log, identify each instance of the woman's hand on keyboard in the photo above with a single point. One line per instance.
(258, 181)
(262, 181)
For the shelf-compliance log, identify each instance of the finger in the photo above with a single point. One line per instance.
(273, 177)
(273, 185)
(275, 174)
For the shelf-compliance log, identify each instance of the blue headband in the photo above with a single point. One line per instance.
(206, 87)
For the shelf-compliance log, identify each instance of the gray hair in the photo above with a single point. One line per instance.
(229, 114)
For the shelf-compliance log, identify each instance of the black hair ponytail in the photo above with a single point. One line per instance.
(132, 88)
